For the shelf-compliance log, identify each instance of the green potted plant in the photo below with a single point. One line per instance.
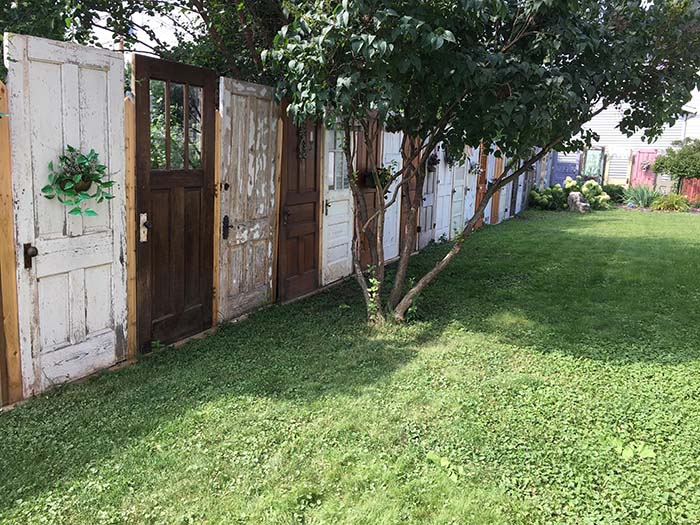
(75, 177)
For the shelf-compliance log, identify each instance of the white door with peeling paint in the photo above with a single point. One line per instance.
(472, 173)
(337, 211)
(72, 294)
(443, 208)
(247, 196)
(392, 158)
(459, 190)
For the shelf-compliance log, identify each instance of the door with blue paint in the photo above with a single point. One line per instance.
(564, 165)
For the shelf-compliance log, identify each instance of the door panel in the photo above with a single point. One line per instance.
(175, 199)
(298, 264)
(642, 168)
(426, 220)
(444, 198)
(459, 181)
(249, 139)
(391, 157)
(72, 300)
(337, 210)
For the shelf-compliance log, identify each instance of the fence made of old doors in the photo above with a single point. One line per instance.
(391, 157)
(298, 261)
(71, 274)
(459, 193)
(247, 196)
(643, 168)
(337, 210)
(175, 126)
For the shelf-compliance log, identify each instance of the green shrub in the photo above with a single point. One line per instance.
(671, 202)
(595, 196)
(615, 191)
(641, 196)
(572, 185)
(695, 205)
(552, 198)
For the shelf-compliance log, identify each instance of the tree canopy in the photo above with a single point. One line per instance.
(682, 161)
(521, 77)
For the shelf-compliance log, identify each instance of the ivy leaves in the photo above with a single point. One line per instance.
(76, 175)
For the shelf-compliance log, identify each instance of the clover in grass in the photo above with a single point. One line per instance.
(78, 178)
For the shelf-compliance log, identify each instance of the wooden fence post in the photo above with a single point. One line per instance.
(217, 218)
(8, 266)
(130, 147)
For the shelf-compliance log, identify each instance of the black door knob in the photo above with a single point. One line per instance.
(148, 224)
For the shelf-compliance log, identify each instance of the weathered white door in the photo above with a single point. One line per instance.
(72, 294)
(504, 202)
(459, 190)
(337, 211)
(247, 196)
(472, 174)
(445, 173)
(519, 196)
(426, 218)
(392, 218)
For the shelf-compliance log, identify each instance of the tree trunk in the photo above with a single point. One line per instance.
(418, 173)
(406, 301)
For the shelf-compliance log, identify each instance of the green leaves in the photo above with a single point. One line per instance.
(76, 175)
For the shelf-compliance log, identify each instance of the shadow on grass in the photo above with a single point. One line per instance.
(562, 284)
(591, 288)
(297, 353)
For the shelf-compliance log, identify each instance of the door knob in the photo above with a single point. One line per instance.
(29, 253)
(327, 206)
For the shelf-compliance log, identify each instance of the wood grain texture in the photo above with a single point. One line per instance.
(248, 190)
(276, 217)
(175, 264)
(72, 302)
(217, 219)
(130, 149)
(9, 338)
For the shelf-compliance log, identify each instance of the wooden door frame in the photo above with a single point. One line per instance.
(145, 67)
(10, 363)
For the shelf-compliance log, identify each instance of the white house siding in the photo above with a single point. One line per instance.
(619, 147)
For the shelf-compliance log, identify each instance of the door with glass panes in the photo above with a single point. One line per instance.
(337, 210)
(175, 199)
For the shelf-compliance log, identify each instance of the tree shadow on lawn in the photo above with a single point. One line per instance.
(612, 298)
(297, 353)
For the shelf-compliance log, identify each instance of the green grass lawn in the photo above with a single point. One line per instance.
(551, 375)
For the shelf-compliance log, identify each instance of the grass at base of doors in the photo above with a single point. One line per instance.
(551, 375)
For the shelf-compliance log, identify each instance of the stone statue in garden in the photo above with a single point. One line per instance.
(577, 202)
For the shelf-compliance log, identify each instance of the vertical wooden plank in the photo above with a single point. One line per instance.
(278, 201)
(9, 349)
(130, 149)
(217, 218)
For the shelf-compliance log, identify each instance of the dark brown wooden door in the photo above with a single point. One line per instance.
(175, 112)
(298, 264)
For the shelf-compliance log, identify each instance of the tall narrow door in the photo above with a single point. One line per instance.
(459, 190)
(444, 198)
(298, 261)
(175, 112)
(426, 220)
(71, 280)
(643, 168)
(337, 210)
(392, 159)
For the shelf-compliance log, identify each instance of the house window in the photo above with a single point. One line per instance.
(336, 168)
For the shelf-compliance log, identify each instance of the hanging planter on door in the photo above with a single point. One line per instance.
(77, 179)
